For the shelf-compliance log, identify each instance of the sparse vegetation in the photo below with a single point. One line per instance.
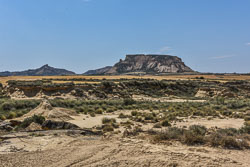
(158, 113)
(15, 108)
(108, 120)
(35, 118)
(196, 134)
(165, 123)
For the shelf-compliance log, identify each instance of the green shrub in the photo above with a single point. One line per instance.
(11, 115)
(108, 128)
(171, 133)
(198, 129)
(2, 117)
(236, 104)
(157, 125)
(121, 115)
(247, 118)
(227, 113)
(165, 123)
(92, 114)
(192, 138)
(19, 114)
(133, 132)
(110, 110)
(233, 143)
(175, 133)
(138, 119)
(134, 113)
(245, 128)
(91, 110)
(7, 106)
(149, 117)
(215, 139)
(247, 123)
(228, 131)
(220, 138)
(35, 118)
(108, 120)
(198, 135)
(129, 101)
(99, 111)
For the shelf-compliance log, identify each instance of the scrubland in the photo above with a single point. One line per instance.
(183, 120)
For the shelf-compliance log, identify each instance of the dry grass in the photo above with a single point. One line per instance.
(222, 78)
(76, 82)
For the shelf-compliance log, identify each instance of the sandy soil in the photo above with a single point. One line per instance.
(66, 148)
(63, 150)
(215, 122)
(86, 121)
(165, 99)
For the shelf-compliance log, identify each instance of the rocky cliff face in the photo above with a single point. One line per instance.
(45, 70)
(150, 64)
(99, 71)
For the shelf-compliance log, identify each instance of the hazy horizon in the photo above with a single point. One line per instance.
(81, 35)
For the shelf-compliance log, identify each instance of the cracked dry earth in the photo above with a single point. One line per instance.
(63, 150)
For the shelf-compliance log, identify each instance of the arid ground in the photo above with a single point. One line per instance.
(125, 121)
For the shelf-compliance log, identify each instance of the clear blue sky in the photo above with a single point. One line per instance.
(209, 35)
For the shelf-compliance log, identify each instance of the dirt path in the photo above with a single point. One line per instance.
(63, 151)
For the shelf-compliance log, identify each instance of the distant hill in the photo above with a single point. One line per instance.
(98, 71)
(149, 64)
(45, 70)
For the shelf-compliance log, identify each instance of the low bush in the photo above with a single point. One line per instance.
(35, 118)
(92, 114)
(228, 131)
(149, 117)
(108, 120)
(191, 138)
(121, 115)
(99, 111)
(133, 132)
(134, 113)
(198, 129)
(129, 101)
(246, 128)
(230, 142)
(12, 115)
(108, 128)
(226, 138)
(247, 118)
(110, 110)
(2, 117)
(157, 125)
(165, 123)
(171, 133)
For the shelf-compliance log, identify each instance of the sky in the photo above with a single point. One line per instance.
(78, 35)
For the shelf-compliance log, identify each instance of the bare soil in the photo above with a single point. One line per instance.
(57, 148)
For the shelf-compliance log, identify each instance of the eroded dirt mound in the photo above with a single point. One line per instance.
(51, 113)
(34, 127)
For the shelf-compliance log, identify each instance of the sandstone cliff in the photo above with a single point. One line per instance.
(150, 64)
(140, 63)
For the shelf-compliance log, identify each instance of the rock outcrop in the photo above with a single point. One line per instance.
(50, 124)
(150, 64)
(140, 63)
(45, 70)
(99, 71)
(50, 113)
